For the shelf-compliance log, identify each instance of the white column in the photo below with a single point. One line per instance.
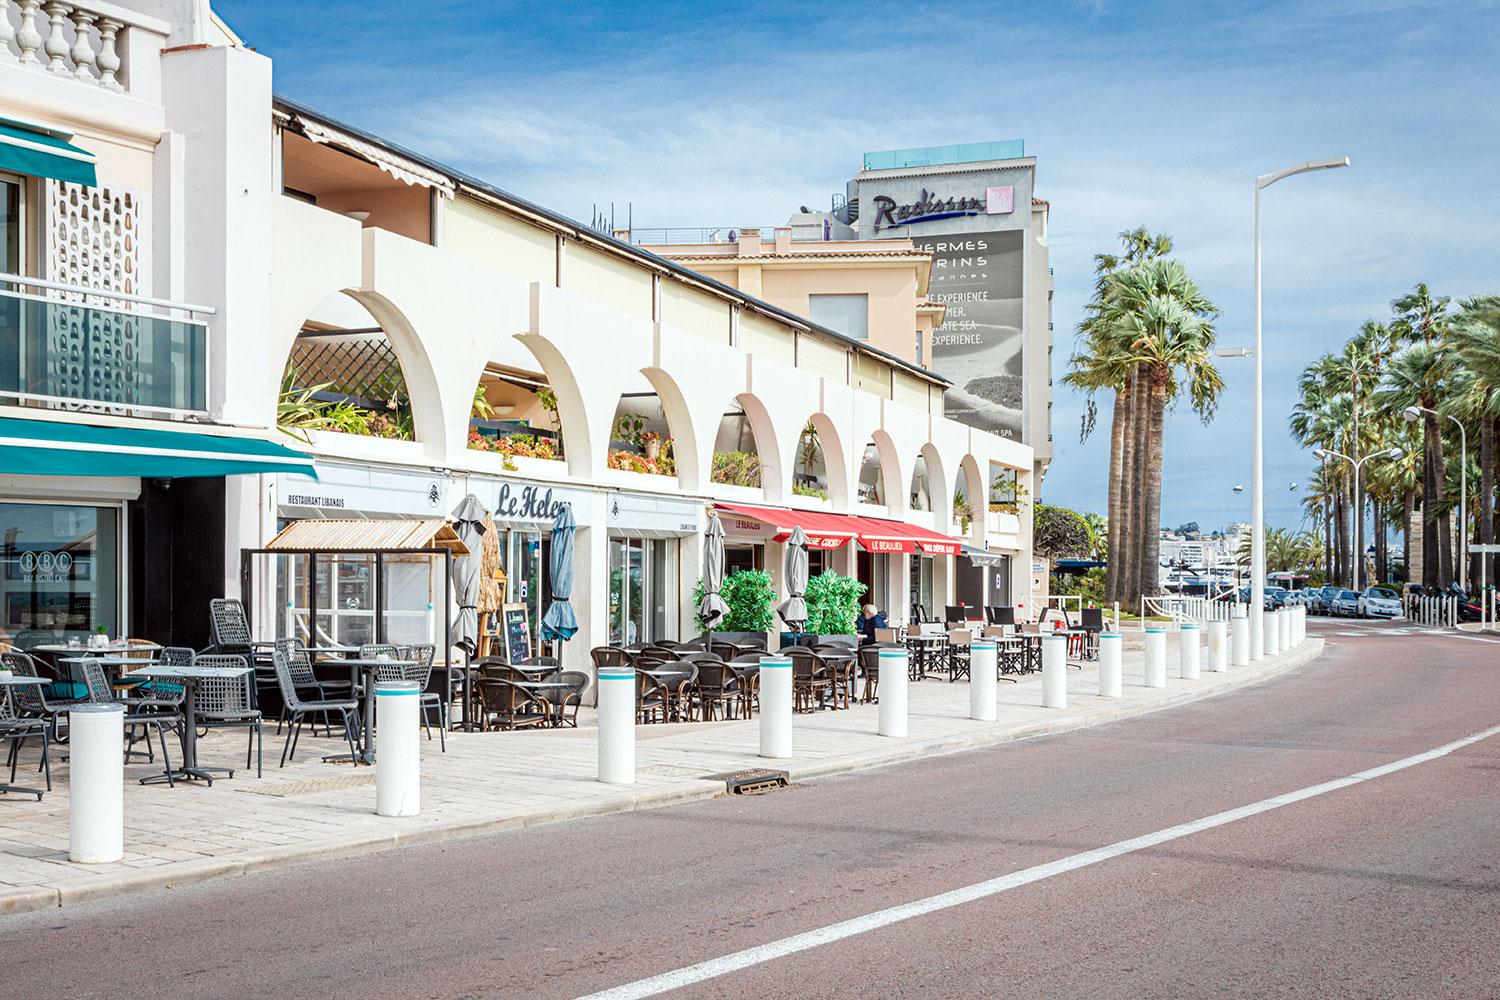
(1218, 645)
(1110, 680)
(1239, 641)
(96, 792)
(894, 667)
(1188, 637)
(1271, 634)
(398, 765)
(983, 671)
(1156, 658)
(1054, 671)
(617, 725)
(775, 706)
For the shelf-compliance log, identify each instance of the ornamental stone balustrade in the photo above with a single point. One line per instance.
(92, 43)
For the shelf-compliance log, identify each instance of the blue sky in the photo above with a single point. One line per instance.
(1158, 114)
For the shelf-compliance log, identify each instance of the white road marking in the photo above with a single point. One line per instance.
(760, 954)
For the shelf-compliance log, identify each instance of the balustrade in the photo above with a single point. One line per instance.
(66, 39)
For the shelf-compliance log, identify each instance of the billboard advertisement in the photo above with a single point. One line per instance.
(979, 277)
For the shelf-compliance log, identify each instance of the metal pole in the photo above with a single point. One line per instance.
(1257, 497)
(1463, 500)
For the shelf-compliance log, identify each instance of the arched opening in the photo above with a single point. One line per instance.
(515, 411)
(871, 485)
(343, 375)
(1007, 495)
(920, 494)
(810, 472)
(640, 435)
(737, 456)
(969, 495)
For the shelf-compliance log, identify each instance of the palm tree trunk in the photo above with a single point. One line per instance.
(1408, 512)
(1378, 524)
(1340, 535)
(1327, 532)
(1116, 491)
(1432, 468)
(1139, 405)
(1151, 507)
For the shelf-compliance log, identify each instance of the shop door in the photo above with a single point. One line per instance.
(641, 574)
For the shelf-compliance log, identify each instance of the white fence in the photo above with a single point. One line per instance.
(1440, 612)
(1193, 610)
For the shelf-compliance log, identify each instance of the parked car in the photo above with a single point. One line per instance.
(1346, 605)
(1379, 602)
(1276, 597)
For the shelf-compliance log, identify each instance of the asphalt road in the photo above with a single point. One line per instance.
(1389, 887)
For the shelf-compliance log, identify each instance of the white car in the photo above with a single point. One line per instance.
(1379, 602)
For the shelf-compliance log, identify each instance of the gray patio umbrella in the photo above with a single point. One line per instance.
(712, 608)
(559, 622)
(468, 524)
(793, 610)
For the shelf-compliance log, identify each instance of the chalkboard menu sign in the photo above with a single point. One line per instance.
(515, 629)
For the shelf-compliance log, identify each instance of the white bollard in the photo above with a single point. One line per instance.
(1055, 671)
(1218, 646)
(894, 669)
(96, 793)
(984, 665)
(1156, 658)
(1272, 634)
(1188, 652)
(1239, 641)
(1110, 680)
(398, 730)
(617, 725)
(1301, 625)
(775, 706)
(1284, 623)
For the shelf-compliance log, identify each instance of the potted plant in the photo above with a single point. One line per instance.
(750, 597)
(832, 605)
(651, 444)
(100, 638)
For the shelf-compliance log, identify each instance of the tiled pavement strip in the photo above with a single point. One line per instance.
(488, 782)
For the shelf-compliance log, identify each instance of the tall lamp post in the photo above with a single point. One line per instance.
(1357, 553)
(1412, 415)
(1257, 500)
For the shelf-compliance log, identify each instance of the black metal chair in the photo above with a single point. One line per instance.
(571, 697)
(297, 709)
(230, 630)
(419, 669)
(18, 730)
(229, 702)
(959, 649)
(33, 701)
(102, 692)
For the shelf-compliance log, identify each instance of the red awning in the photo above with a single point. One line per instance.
(832, 531)
(880, 535)
(824, 531)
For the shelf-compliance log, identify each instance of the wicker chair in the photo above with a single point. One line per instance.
(652, 699)
(611, 656)
(812, 680)
(102, 692)
(841, 663)
(228, 703)
(510, 706)
(572, 697)
(18, 730)
(717, 690)
(297, 709)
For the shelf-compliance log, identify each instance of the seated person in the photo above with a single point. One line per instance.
(866, 624)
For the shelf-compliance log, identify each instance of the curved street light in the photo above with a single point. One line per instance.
(1392, 454)
(1257, 449)
(1412, 415)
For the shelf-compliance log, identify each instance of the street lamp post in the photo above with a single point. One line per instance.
(1325, 453)
(1257, 505)
(1412, 415)
(1239, 488)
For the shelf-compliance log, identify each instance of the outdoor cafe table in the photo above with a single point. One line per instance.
(924, 649)
(367, 727)
(545, 689)
(9, 681)
(189, 677)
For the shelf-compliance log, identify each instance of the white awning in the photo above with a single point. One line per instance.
(403, 169)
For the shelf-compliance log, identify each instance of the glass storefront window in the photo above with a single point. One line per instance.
(641, 587)
(61, 574)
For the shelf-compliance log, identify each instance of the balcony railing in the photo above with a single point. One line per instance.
(93, 42)
(61, 345)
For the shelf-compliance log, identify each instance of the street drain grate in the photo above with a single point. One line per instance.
(669, 770)
(751, 782)
(287, 789)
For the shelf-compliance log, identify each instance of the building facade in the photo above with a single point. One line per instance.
(424, 336)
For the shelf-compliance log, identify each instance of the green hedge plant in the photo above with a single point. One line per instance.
(833, 603)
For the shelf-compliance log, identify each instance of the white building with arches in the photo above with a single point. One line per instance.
(490, 347)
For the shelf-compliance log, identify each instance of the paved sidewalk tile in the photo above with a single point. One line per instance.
(493, 781)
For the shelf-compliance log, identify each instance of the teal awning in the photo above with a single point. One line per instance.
(30, 149)
(53, 448)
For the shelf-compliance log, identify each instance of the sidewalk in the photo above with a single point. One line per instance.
(488, 782)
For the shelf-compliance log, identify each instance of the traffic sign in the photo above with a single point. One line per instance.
(1489, 548)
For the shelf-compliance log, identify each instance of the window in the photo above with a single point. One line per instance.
(846, 314)
(61, 572)
(12, 227)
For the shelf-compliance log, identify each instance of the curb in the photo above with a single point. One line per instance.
(268, 858)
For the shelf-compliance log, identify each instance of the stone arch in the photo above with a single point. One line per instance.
(572, 413)
(337, 345)
(976, 492)
(831, 455)
(940, 500)
(763, 433)
(892, 483)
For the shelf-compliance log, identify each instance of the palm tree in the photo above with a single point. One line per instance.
(1423, 321)
(1167, 319)
(1415, 378)
(1098, 531)
(1476, 339)
(1103, 362)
